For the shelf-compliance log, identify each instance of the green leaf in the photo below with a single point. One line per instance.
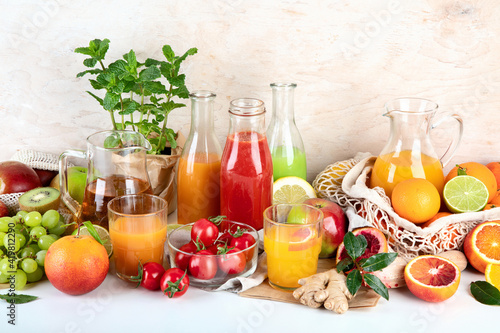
(484, 292)
(112, 141)
(166, 69)
(18, 298)
(106, 79)
(191, 51)
(378, 261)
(151, 62)
(86, 51)
(89, 71)
(354, 281)
(110, 101)
(103, 48)
(92, 231)
(177, 81)
(181, 92)
(168, 53)
(171, 138)
(96, 85)
(119, 68)
(344, 264)
(90, 62)
(154, 87)
(131, 59)
(149, 74)
(377, 285)
(96, 97)
(354, 245)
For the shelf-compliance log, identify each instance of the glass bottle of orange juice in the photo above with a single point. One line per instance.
(198, 173)
(409, 152)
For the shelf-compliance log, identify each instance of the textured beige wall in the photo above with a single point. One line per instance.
(348, 58)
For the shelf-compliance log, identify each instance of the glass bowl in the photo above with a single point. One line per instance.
(205, 267)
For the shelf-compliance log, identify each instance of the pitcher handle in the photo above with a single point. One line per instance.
(72, 204)
(455, 141)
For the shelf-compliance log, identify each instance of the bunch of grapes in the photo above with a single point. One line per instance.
(24, 241)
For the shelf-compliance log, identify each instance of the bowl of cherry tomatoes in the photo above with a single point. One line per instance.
(213, 251)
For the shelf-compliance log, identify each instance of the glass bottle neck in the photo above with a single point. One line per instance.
(283, 103)
(202, 112)
(247, 115)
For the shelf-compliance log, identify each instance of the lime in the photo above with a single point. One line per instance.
(103, 233)
(292, 190)
(465, 194)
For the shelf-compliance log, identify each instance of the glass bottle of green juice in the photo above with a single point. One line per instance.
(285, 142)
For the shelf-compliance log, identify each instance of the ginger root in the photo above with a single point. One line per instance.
(328, 288)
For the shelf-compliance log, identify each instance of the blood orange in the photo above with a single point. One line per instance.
(432, 278)
(482, 245)
(375, 239)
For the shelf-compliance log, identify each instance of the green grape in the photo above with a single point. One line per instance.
(37, 232)
(29, 265)
(32, 219)
(5, 266)
(17, 242)
(35, 247)
(20, 279)
(50, 219)
(22, 240)
(35, 276)
(4, 223)
(40, 257)
(21, 214)
(1, 253)
(45, 242)
(28, 252)
(54, 236)
(2, 235)
(4, 278)
(58, 229)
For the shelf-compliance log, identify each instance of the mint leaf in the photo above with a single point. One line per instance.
(96, 97)
(110, 101)
(378, 261)
(149, 74)
(484, 292)
(377, 285)
(354, 281)
(131, 59)
(168, 53)
(90, 62)
(18, 298)
(191, 51)
(112, 141)
(177, 81)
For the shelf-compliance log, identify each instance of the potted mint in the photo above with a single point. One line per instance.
(140, 96)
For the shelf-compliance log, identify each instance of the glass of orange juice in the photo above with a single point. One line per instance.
(138, 230)
(292, 241)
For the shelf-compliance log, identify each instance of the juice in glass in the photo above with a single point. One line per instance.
(137, 239)
(289, 161)
(390, 169)
(198, 187)
(246, 178)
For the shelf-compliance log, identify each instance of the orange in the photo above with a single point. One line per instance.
(490, 206)
(482, 245)
(416, 200)
(496, 198)
(432, 278)
(76, 265)
(492, 275)
(479, 171)
(434, 218)
(495, 168)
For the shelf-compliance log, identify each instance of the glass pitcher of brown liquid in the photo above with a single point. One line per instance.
(409, 153)
(116, 166)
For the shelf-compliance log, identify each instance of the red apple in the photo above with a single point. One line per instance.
(334, 225)
(17, 177)
(4, 211)
(45, 176)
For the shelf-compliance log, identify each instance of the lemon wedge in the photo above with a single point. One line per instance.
(292, 190)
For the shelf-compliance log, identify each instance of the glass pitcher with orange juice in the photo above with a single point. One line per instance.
(198, 173)
(409, 152)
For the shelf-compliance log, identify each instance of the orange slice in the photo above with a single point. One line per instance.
(492, 275)
(301, 239)
(432, 278)
(482, 245)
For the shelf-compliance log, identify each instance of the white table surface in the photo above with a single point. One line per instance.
(115, 306)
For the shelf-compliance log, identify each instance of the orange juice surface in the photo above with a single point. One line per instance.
(391, 169)
(292, 254)
(137, 238)
(198, 190)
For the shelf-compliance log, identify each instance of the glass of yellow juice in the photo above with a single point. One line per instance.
(138, 231)
(292, 241)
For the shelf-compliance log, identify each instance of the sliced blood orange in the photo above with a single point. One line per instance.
(377, 243)
(432, 278)
(301, 239)
(482, 245)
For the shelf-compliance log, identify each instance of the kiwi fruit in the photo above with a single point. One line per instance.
(40, 199)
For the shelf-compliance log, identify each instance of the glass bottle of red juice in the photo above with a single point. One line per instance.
(246, 178)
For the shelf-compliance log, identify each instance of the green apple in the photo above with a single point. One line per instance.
(77, 179)
(301, 214)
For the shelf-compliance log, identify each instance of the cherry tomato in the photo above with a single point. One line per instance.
(174, 282)
(233, 262)
(225, 238)
(149, 275)
(243, 242)
(182, 259)
(203, 265)
(204, 232)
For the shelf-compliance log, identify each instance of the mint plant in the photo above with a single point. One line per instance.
(135, 97)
